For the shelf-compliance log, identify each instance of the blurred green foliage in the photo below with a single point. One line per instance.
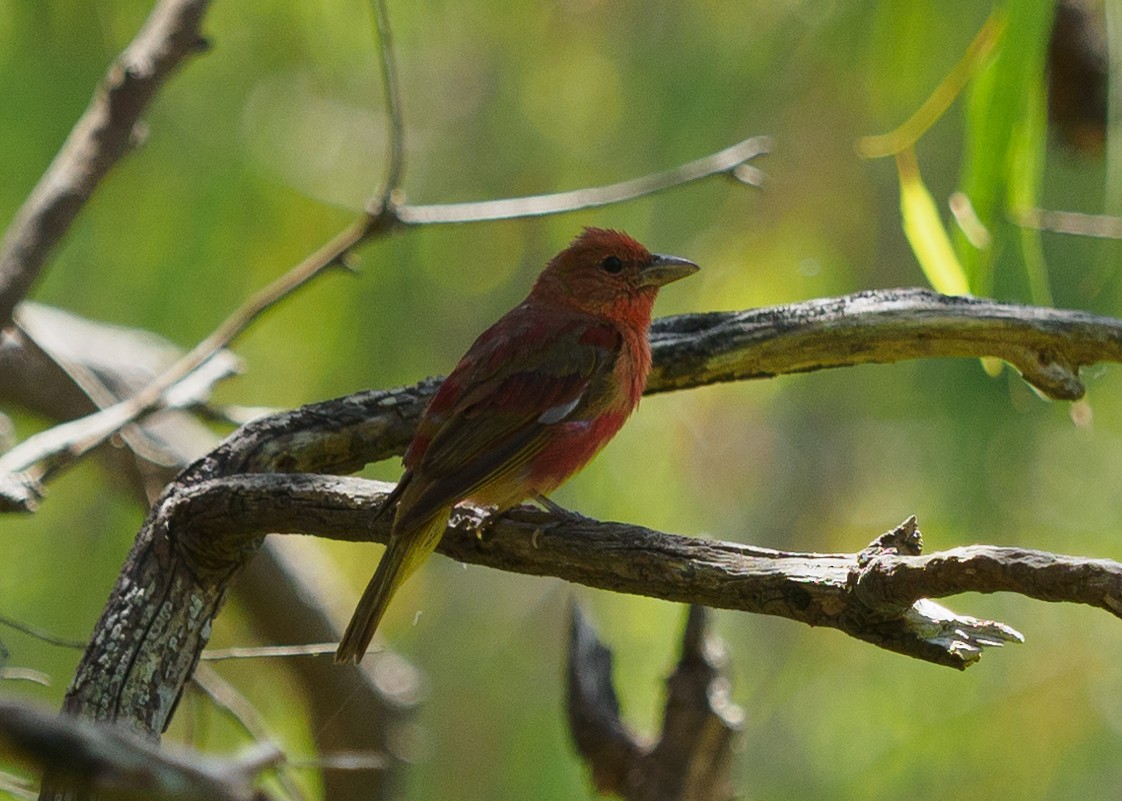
(264, 147)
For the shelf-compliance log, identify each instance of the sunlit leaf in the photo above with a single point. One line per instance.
(926, 232)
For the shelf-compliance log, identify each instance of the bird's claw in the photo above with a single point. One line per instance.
(480, 518)
(568, 515)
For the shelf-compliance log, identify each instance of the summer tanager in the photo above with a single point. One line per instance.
(536, 396)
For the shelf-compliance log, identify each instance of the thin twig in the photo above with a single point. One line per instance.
(212, 655)
(723, 162)
(98, 140)
(343, 760)
(229, 700)
(25, 674)
(238, 708)
(87, 381)
(48, 451)
(270, 651)
(1100, 226)
(395, 162)
(41, 634)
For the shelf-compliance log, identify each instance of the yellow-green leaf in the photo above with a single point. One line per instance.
(925, 230)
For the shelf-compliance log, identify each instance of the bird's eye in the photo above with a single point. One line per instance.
(611, 264)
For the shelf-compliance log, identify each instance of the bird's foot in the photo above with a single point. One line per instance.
(568, 515)
(480, 518)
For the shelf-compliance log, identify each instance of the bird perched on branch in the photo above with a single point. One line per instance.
(536, 396)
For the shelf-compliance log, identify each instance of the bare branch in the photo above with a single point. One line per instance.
(102, 758)
(692, 757)
(50, 450)
(366, 708)
(723, 162)
(395, 163)
(201, 534)
(1048, 346)
(203, 531)
(215, 519)
(99, 139)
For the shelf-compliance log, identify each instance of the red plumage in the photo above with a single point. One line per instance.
(535, 397)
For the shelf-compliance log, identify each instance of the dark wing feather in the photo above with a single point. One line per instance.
(494, 425)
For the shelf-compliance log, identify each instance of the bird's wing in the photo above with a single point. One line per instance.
(495, 411)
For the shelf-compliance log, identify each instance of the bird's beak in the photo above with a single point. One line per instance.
(664, 269)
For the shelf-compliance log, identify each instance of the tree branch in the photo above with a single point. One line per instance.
(858, 594)
(200, 535)
(731, 161)
(99, 139)
(88, 757)
(1048, 347)
(692, 757)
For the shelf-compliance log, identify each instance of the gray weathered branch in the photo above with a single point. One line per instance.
(1047, 346)
(201, 534)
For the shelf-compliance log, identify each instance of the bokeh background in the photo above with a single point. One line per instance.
(260, 150)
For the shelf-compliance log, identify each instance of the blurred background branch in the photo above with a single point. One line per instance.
(84, 757)
(99, 139)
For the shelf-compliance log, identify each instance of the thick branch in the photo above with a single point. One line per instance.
(201, 535)
(1048, 346)
(98, 140)
(89, 757)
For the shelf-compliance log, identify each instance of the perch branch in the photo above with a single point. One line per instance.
(100, 138)
(1047, 346)
(873, 596)
(201, 534)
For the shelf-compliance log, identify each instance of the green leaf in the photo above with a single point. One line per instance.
(925, 231)
(1005, 139)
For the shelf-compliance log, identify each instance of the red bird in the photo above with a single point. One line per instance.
(536, 396)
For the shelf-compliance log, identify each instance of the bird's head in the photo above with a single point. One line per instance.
(608, 273)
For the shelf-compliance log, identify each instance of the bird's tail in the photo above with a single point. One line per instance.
(405, 553)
